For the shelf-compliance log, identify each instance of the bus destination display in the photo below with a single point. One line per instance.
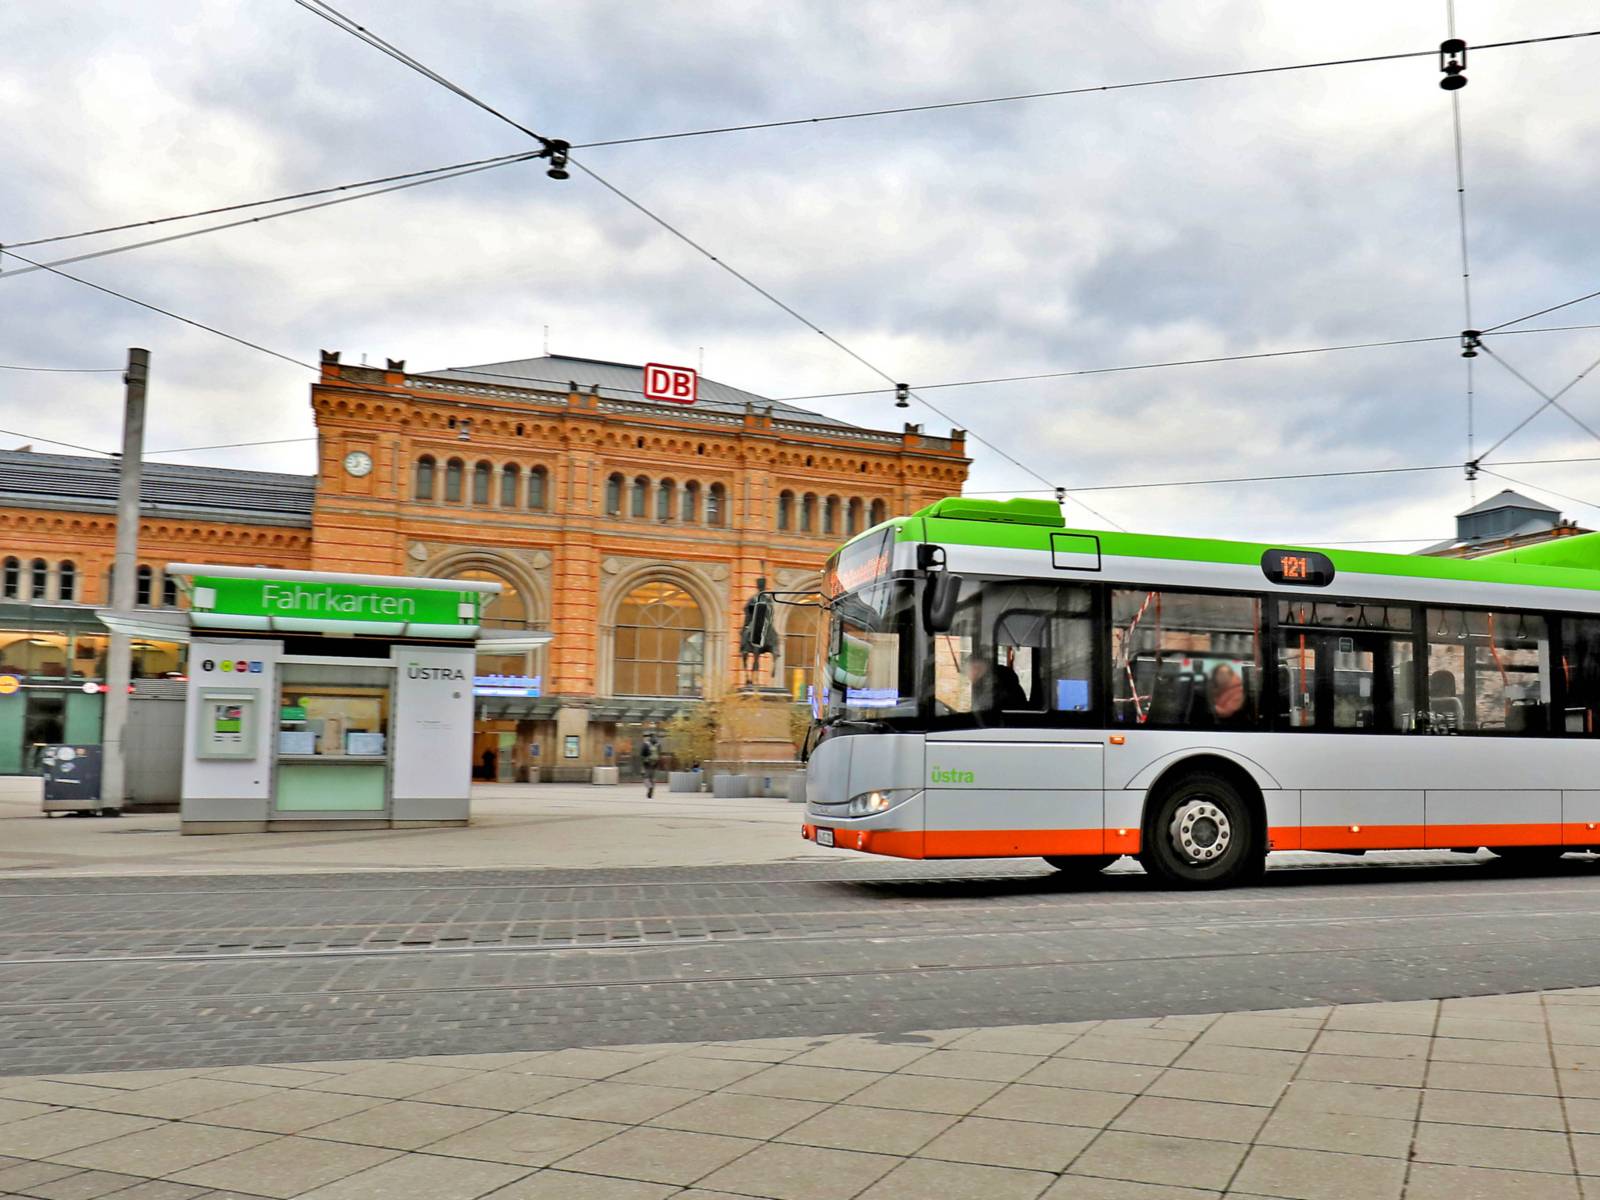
(1297, 568)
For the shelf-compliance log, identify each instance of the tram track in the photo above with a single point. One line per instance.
(1215, 925)
(729, 978)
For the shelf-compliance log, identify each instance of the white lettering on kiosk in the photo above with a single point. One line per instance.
(298, 598)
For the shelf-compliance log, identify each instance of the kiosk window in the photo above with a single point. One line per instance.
(333, 720)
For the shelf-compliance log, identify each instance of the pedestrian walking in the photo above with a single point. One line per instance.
(649, 760)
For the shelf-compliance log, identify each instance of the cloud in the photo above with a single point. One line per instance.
(1190, 220)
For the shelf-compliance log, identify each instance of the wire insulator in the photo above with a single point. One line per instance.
(1471, 342)
(1453, 62)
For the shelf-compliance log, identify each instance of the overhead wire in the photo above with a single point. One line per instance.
(1541, 312)
(55, 442)
(1539, 487)
(1549, 400)
(227, 208)
(165, 312)
(189, 233)
(233, 445)
(1461, 221)
(1074, 91)
(66, 370)
(329, 13)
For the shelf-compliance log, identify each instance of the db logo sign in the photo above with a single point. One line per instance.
(677, 384)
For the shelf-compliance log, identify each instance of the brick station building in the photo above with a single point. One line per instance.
(632, 529)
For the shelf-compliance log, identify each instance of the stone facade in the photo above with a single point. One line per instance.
(574, 495)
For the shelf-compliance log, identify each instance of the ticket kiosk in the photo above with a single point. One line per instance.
(320, 700)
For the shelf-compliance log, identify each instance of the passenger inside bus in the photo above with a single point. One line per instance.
(1226, 693)
(995, 686)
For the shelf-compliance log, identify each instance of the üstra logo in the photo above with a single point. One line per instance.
(414, 671)
(950, 775)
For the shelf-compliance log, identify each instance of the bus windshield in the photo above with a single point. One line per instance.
(868, 668)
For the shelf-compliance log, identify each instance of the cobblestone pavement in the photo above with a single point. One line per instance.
(1463, 1099)
(112, 974)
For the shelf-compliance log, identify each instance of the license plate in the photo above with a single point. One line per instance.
(824, 837)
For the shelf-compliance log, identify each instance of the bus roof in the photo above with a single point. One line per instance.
(1027, 524)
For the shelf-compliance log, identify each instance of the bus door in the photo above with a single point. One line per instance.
(1014, 792)
(1331, 681)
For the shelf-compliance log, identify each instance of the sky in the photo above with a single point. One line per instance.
(1236, 216)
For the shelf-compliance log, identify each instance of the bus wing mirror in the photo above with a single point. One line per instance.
(939, 613)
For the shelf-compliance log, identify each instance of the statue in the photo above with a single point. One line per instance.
(753, 641)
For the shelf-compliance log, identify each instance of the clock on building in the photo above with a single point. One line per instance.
(358, 463)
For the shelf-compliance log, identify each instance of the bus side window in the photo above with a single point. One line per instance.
(1580, 669)
(1022, 650)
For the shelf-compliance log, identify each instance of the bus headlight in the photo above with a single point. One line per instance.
(882, 800)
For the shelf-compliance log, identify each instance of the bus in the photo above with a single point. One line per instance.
(994, 684)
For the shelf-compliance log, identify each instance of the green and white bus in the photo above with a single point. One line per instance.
(993, 684)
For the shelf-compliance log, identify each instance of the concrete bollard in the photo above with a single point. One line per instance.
(683, 781)
(730, 787)
(797, 789)
(604, 775)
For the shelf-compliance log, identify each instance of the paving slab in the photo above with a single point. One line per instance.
(946, 1113)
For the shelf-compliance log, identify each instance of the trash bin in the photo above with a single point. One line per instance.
(71, 779)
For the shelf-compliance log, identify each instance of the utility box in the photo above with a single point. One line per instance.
(71, 778)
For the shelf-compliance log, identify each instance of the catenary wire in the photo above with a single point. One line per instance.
(99, 287)
(1076, 91)
(329, 13)
(55, 442)
(378, 43)
(1541, 312)
(1548, 401)
(189, 233)
(232, 445)
(1539, 487)
(66, 370)
(227, 208)
(1461, 221)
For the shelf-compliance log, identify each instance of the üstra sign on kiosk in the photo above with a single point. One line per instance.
(321, 700)
(680, 385)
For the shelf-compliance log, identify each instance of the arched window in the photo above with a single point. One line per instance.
(67, 580)
(664, 493)
(452, 481)
(640, 506)
(614, 496)
(879, 512)
(691, 502)
(424, 486)
(481, 474)
(142, 586)
(537, 477)
(830, 516)
(660, 643)
(852, 518)
(808, 514)
(510, 609)
(785, 510)
(510, 481)
(169, 592)
(13, 579)
(39, 579)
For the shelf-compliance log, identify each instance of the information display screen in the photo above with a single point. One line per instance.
(1297, 568)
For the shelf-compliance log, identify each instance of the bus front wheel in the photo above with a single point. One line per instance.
(1202, 833)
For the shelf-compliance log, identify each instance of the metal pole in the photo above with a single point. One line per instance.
(119, 664)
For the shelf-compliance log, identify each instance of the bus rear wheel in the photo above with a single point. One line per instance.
(1202, 833)
(1081, 865)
